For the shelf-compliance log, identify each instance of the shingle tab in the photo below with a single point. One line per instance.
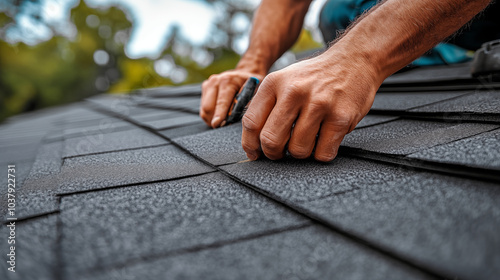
(408, 100)
(482, 102)
(432, 74)
(127, 167)
(310, 253)
(370, 120)
(36, 253)
(110, 141)
(37, 195)
(481, 151)
(305, 180)
(185, 130)
(168, 216)
(446, 223)
(185, 119)
(408, 136)
(219, 146)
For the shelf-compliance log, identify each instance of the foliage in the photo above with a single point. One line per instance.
(66, 68)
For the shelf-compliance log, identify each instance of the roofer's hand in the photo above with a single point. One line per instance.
(217, 94)
(321, 96)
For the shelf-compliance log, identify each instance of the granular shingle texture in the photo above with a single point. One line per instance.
(487, 102)
(113, 141)
(309, 253)
(408, 136)
(138, 187)
(178, 215)
(220, 146)
(408, 100)
(35, 250)
(482, 150)
(298, 180)
(127, 167)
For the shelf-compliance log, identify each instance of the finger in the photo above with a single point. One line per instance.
(330, 136)
(277, 129)
(304, 133)
(254, 119)
(208, 99)
(227, 91)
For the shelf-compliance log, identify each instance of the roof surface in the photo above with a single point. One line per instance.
(128, 187)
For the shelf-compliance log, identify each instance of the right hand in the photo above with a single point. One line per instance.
(217, 94)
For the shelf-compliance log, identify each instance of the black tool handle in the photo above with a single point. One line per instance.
(241, 100)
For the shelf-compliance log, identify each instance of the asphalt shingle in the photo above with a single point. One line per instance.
(423, 217)
(481, 102)
(185, 130)
(408, 136)
(407, 100)
(218, 146)
(432, 74)
(169, 216)
(304, 180)
(309, 253)
(370, 120)
(36, 252)
(110, 141)
(127, 167)
(481, 151)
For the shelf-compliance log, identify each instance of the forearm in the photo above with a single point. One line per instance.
(276, 26)
(397, 32)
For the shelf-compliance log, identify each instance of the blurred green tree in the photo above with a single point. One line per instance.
(70, 66)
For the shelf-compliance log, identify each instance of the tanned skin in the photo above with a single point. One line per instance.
(326, 96)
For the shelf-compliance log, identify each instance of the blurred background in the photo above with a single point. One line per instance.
(59, 51)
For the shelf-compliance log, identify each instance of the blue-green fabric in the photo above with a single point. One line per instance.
(336, 15)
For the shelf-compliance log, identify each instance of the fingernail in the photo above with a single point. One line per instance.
(252, 156)
(215, 121)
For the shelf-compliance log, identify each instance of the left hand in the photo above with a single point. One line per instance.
(325, 96)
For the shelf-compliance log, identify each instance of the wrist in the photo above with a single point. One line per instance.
(356, 59)
(254, 63)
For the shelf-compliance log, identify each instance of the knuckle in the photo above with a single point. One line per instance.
(325, 157)
(341, 118)
(249, 146)
(299, 152)
(206, 110)
(270, 143)
(249, 124)
(320, 105)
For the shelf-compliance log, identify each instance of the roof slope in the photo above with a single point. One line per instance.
(121, 187)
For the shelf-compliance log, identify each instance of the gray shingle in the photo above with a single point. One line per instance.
(432, 74)
(479, 102)
(218, 146)
(105, 126)
(310, 253)
(190, 104)
(305, 180)
(409, 136)
(185, 130)
(370, 120)
(17, 153)
(37, 195)
(166, 123)
(22, 170)
(482, 151)
(35, 250)
(408, 100)
(127, 167)
(110, 141)
(449, 224)
(138, 221)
